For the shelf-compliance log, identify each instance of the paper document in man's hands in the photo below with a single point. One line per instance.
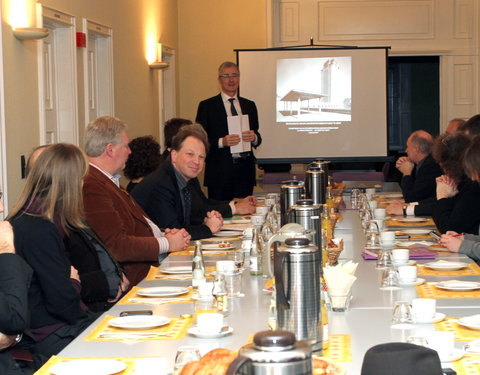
(237, 125)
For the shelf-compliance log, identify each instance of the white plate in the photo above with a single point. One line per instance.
(238, 221)
(389, 196)
(228, 233)
(414, 231)
(412, 243)
(180, 270)
(139, 321)
(216, 246)
(416, 282)
(162, 291)
(443, 265)
(437, 318)
(472, 322)
(94, 366)
(412, 220)
(458, 285)
(194, 332)
(455, 356)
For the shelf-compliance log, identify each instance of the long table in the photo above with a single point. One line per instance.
(367, 322)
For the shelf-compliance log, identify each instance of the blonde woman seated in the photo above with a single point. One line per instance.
(50, 207)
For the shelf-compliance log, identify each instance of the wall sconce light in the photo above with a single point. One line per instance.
(159, 64)
(30, 33)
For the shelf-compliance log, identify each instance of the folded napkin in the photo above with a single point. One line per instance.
(415, 253)
(340, 278)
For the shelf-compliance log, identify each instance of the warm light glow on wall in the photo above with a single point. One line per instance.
(150, 30)
(20, 12)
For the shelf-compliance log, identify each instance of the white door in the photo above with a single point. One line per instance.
(98, 68)
(58, 79)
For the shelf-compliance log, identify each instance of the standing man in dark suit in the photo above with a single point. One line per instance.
(228, 175)
(419, 170)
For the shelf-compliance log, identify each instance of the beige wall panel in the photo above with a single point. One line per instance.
(463, 21)
(289, 22)
(136, 25)
(376, 20)
(209, 31)
(463, 79)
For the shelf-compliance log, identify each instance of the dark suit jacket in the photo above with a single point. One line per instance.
(460, 213)
(212, 116)
(201, 204)
(15, 276)
(159, 195)
(421, 184)
(84, 257)
(120, 223)
(52, 298)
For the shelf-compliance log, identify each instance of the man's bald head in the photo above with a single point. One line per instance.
(453, 125)
(419, 145)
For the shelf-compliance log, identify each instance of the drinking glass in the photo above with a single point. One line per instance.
(384, 259)
(184, 355)
(417, 340)
(390, 279)
(239, 258)
(355, 198)
(402, 315)
(373, 241)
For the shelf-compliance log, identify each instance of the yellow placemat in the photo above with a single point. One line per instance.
(129, 361)
(206, 253)
(155, 274)
(431, 291)
(268, 284)
(472, 270)
(396, 223)
(413, 236)
(339, 348)
(461, 333)
(466, 365)
(139, 300)
(177, 329)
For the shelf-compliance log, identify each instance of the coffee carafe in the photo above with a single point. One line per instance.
(273, 353)
(316, 185)
(308, 215)
(290, 193)
(321, 164)
(298, 291)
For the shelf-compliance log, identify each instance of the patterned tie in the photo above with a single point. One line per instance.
(232, 107)
(187, 197)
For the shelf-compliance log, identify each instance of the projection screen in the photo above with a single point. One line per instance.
(318, 103)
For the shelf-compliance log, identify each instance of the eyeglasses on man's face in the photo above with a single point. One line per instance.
(226, 76)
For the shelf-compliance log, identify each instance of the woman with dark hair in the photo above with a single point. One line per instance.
(143, 160)
(50, 207)
(468, 244)
(457, 206)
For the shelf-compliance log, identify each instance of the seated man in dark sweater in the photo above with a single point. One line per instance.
(419, 169)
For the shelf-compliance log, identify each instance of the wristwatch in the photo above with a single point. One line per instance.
(18, 338)
(405, 210)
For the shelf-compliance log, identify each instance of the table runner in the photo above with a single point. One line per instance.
(139, 300)
(396, 223)
(430, 291)
(472, 270)
(467, 366)
(178, 327)
(155, 274)
(461, 333)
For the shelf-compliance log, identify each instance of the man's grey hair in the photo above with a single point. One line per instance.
(227, 64)
(423, 140)
(102, 131)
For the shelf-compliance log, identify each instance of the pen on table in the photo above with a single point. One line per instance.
(458, 235)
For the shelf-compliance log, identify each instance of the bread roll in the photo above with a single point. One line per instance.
(215, 362)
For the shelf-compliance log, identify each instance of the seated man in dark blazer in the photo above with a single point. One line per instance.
(419, 169)
(165, 195)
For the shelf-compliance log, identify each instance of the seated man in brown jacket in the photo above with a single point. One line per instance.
(132, 238)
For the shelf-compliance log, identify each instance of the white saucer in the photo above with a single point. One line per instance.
(194, 332)
(409, 263)
(437, 318)
(455, 356)
(84, 366)
(416, 282)
(472, 322)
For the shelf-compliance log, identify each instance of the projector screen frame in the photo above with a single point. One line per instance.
(335, 48)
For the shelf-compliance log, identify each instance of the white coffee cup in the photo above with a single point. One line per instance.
(257, 219)
(380, 213)
(373, 204)
(225, 265)
(370, 191)
(400, 256)
(369, 196)
(261, 210)
(205, 289)
(443, 342)
(387, 237)
(423, 309)
(407, 274)
(380, 223)
(209, 322)
(248, 232)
